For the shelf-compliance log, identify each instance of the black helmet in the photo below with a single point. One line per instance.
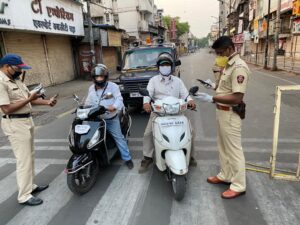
(165, 58)
(100, 70)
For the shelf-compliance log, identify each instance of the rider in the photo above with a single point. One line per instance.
(159, 87)
(113, 105)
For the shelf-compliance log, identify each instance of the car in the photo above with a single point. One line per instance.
(138, 67)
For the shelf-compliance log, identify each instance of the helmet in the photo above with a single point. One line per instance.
(100, 70)
(165, 58)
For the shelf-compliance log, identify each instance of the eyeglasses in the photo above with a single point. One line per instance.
(16, 69)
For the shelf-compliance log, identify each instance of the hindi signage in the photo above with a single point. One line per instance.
(48, 16)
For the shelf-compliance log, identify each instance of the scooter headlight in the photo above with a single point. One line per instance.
(94, 140)
(82, 113)
(171, 109)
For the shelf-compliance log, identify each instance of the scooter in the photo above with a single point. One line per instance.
(92, 146)
(172, 135)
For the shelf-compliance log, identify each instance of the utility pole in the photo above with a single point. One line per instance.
(276, 37)
(228, 32)
(92, 46)
(267, 38)
(219, 26)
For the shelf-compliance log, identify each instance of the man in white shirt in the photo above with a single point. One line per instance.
(159, 87)
(96, 91)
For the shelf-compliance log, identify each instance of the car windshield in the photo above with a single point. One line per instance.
(142, 59)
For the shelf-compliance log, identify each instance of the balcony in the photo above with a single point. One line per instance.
(143, 26)
(145, 6)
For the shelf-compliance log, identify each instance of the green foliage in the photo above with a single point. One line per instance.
(202, 42)
(182, 27)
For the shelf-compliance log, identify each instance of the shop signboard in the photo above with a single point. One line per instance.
(47, 16)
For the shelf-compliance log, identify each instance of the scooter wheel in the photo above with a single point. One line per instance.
(179, 186)
(83, 180)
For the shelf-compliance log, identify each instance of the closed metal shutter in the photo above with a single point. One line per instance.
(60, 58)
(30, 47)
(110, 58)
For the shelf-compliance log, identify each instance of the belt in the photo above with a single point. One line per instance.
(222, 107)
(14, 116)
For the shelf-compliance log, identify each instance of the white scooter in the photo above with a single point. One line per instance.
(172, 134)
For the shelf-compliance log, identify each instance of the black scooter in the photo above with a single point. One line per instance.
(92, 146)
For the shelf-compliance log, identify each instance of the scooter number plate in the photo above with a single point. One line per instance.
(135, 95)
(172, 123)
(82, 129)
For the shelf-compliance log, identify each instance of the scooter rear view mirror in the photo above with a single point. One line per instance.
(76, 98)
(193, 90)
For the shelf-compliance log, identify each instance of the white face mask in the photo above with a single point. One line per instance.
(165, 70)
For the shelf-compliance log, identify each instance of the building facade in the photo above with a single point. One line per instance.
(137, 17)
(43, 35)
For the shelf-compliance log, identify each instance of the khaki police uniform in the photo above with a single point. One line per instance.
(20, 133)
(234, 79)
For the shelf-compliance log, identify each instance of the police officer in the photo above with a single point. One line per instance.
(17, 124)
(159, 87)
(230, 92)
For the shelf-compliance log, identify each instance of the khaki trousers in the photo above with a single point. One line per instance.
(20, 133)
(231, 153)
(148, 144)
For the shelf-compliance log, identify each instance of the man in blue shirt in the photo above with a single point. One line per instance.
(113, 105)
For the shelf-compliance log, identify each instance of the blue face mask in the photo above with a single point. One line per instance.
(165, 70)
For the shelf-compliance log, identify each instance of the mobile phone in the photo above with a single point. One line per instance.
(203, 82)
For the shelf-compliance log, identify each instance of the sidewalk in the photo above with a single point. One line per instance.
(285, 63)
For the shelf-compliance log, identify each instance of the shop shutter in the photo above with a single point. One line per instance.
(60, 58)
(30, 48)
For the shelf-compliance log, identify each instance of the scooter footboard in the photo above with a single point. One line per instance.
(176, 161)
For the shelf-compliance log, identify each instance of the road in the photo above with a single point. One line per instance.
(124, 197)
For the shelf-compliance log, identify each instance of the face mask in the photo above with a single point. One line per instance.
(165, 70)
(221, 61)
(100, 84)
(16, 74)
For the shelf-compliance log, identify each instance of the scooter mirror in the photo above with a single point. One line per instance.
(76, 98)
(193, 90)
(144, 92)
(109, 95)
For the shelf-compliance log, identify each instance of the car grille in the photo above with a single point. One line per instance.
(135, 87)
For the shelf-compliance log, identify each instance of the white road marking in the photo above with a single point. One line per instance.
(278, 78)
(127, 189)
(54, 199)
(201, 203)
(9, 184)
(42, 148)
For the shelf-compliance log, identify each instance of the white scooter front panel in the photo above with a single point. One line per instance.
(171, 133)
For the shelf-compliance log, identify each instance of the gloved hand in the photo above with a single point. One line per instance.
(210, 84)
(204, 97)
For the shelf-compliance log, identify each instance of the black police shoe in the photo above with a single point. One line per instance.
(33, 201)
(39, 189)
(129, 164)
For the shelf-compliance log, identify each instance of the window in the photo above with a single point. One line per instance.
(98, 20)
(107, 17)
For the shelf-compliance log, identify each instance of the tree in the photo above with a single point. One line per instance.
(182, 27)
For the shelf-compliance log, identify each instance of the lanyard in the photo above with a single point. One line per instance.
(102, 93)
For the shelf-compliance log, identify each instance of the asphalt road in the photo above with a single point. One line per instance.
(124, 197)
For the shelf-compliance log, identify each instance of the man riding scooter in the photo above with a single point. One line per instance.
(101, 87)
(159, 87)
